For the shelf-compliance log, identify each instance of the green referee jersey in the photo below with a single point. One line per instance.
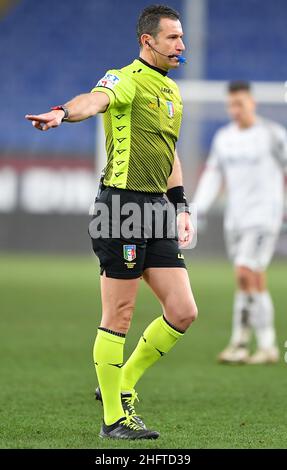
(142, 125)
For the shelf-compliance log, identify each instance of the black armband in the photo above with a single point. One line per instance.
(177, 197)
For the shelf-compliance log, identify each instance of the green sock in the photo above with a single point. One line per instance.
(157, 340)
(108, 357)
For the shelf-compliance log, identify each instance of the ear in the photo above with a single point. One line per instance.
(145, 39)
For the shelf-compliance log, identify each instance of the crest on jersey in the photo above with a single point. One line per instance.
(108, 81)
(129, 252)
(170, 108)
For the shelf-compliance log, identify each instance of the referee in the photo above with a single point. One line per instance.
(142, 113)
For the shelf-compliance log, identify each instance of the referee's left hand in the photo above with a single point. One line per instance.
(185, 229)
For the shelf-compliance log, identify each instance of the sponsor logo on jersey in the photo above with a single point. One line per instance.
(129, 252)
(108, 81)
(170, 108)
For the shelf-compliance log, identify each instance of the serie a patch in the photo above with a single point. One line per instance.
(108, 81)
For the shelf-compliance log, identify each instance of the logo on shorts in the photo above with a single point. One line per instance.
(129, 252)
(170, 108)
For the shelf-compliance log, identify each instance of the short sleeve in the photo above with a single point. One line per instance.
(118, 86)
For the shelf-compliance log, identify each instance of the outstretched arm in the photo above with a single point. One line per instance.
(79, 108)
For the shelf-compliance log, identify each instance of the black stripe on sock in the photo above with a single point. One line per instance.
(122, 335)
(173, 327)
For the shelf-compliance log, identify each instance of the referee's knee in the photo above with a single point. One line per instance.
(191, 315)
(181, 315)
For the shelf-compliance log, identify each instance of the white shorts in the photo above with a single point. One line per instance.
(252, 248)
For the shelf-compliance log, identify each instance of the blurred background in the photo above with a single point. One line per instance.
(52, 52)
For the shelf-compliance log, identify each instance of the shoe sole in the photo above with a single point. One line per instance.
(267, 362)
(238, 362)
(153, 437)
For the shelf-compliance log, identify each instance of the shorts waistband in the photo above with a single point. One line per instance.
(131, 191)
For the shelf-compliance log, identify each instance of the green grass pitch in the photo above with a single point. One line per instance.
(50, 309)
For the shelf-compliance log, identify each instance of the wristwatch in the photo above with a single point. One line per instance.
(63, 108)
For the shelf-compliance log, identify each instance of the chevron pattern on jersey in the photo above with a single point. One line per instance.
(142, 126)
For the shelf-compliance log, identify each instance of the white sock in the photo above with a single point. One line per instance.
(262, 320)
(241, 319)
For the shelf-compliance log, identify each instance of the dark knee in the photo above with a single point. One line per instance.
(245, 278)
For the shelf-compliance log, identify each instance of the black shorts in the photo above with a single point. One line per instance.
(127, 246)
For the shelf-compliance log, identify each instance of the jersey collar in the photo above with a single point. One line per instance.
(162, 72)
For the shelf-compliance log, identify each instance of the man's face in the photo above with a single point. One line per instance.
(241, 107)
(168, 41)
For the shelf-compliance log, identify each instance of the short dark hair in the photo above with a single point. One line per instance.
(238, 85)
(150, 17)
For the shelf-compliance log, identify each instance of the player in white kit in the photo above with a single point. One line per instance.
(250, 156)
